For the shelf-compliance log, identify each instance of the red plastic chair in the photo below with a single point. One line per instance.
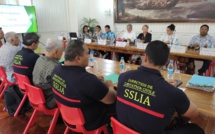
(208, 72)
(37, 100)
(74, 116)
(4, 82)
(20, 81)
(119, 128)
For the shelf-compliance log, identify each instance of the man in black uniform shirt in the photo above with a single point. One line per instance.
(25, 59)
(146, 102)
(75, 87)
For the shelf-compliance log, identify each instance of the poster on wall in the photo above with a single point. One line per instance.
(138, 11)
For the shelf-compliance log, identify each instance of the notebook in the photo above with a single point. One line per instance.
(112, 77)
(202, 81)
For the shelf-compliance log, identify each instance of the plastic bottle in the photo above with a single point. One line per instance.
(122, 65)
(170, 70)
(91, 59)
(176, 42)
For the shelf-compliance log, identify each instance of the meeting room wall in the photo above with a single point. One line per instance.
(57, 17)
(185, 31)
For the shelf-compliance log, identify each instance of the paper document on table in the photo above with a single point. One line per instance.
(102, 42)
(207, 51)
(183, 89)
(120, 44)
(178, 49)
(141, 45)
(87, 41)
(112, 77)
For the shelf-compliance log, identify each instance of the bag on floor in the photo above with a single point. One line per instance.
(12, 99)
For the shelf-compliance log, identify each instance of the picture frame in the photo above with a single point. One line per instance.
(142, 11)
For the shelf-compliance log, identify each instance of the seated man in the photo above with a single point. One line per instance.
(128, 36)
(44, 67)
(203, 40)
(146, 102)
(75, 87)
(7, 54)
(25, 59)
(110, 37)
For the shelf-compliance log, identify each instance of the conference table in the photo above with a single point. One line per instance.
(133, 50)
(205, 101)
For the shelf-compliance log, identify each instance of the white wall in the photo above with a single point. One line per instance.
(56, 16)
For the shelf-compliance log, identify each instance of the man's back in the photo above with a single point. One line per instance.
(83, 90)
(42, 78)
(24, 62)
(146, 102)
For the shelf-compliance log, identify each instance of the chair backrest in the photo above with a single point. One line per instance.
(2, 73)
(71, 115)
(35, 95)
(119, 128)
(21, 79)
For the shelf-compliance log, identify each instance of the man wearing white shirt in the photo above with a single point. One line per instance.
(128, 36)
(7, 54)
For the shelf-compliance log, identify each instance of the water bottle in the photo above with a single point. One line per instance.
(91, 59)
(135, 41)
(122, 65)
(176, 42)
(170, 70)
(208, 44)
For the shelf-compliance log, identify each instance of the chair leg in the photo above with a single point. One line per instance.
(20, 105)
(54, 121)
(31, 121)
(66, 131)
(2, 92)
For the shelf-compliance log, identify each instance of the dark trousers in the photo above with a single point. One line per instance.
(125, 56)
(205, 66)
(186, 129)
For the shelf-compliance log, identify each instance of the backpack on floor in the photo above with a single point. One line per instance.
(12, 99)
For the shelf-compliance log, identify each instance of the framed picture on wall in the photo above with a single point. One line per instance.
(138, 11)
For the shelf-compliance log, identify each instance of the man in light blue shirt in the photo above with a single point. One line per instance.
(110, 37)
(203, 40)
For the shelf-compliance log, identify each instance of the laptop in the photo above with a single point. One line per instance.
(73, 36)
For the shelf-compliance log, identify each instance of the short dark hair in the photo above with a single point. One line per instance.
(73, 49)
(99, 27)
(171, 27)
(0, 28)
(84, 28)
(157, 52)
(30, 38)
(107, 26)
(205, 25)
